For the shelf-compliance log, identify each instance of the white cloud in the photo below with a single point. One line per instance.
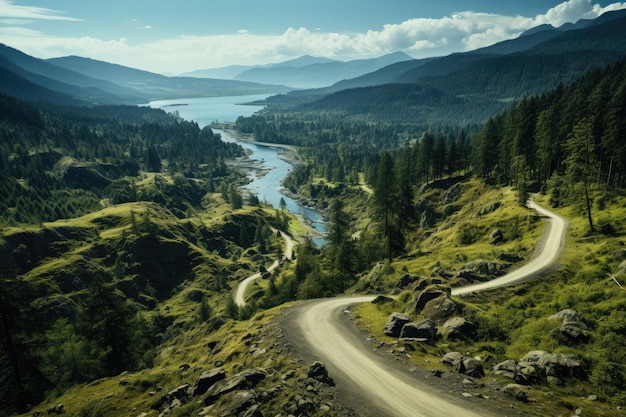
(420, 37)
(14, 11)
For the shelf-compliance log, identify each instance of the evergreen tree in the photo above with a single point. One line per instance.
(107, 320)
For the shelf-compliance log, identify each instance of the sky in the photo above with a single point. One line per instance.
(172, 37)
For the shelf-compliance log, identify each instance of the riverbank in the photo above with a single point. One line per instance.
(266, 165)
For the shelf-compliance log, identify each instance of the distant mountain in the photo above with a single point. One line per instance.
(301, 74)
(231, 71)
(53, 78)
(155, 86)
(490, 78)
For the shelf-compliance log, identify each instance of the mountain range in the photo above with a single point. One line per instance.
(83, 81)
(477, 84)
(473, 85)
(304, 72)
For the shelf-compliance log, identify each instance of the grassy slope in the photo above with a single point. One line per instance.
(519, 315)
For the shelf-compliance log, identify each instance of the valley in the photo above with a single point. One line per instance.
(437, 236)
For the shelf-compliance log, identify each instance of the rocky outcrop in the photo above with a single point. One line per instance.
(395, 323)
(540, 366)
(429, 293)
(458, 328)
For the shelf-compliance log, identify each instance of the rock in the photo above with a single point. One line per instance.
(452, 194)
(174, 398)
(240, 402)
(453, 359)
(469, 366)
(427, 294)
(243, 380)
(195, 295)
(55, 409)
(516, 391)
(382, 299)
(571, 333)
(440, 308)
(319, 372)
(496, 236)
(424, 329)
(481, 270)
(566, 316)
(206, 381)
(507, 368)
(395, 323)
(490, 208)
(529, 373)
(539, 364)
(458, 328)
(406, 280)
(509, 257)
(592, 397)
(473, 368)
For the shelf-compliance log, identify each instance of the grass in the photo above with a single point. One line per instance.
(513, 321)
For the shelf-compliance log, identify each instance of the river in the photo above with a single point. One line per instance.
(270, 168)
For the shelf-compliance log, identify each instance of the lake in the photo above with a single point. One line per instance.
(266, 186)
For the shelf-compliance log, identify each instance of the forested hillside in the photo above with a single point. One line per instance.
(62, 162)
(103, 218)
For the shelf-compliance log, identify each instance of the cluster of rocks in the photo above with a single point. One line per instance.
(539, 366)
(456, 328)
(212, 385)
(239, 395)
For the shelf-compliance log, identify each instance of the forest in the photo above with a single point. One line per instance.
(163, 185)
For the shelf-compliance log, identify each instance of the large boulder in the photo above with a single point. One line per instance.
(427, 294)
(571, 333)
(458, 328)
(206, 380)
(440, 308)
(395, 323)
(424, 330)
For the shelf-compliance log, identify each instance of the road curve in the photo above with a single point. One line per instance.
(547, 257)
(394, 393)
(239, 296)
(391, 393)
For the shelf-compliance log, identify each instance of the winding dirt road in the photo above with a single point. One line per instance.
(239, 296)
(389, 392)
(545, 259)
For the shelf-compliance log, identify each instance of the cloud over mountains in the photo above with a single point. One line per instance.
(419, 37)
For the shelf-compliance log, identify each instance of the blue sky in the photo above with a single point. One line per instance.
(183, 35)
